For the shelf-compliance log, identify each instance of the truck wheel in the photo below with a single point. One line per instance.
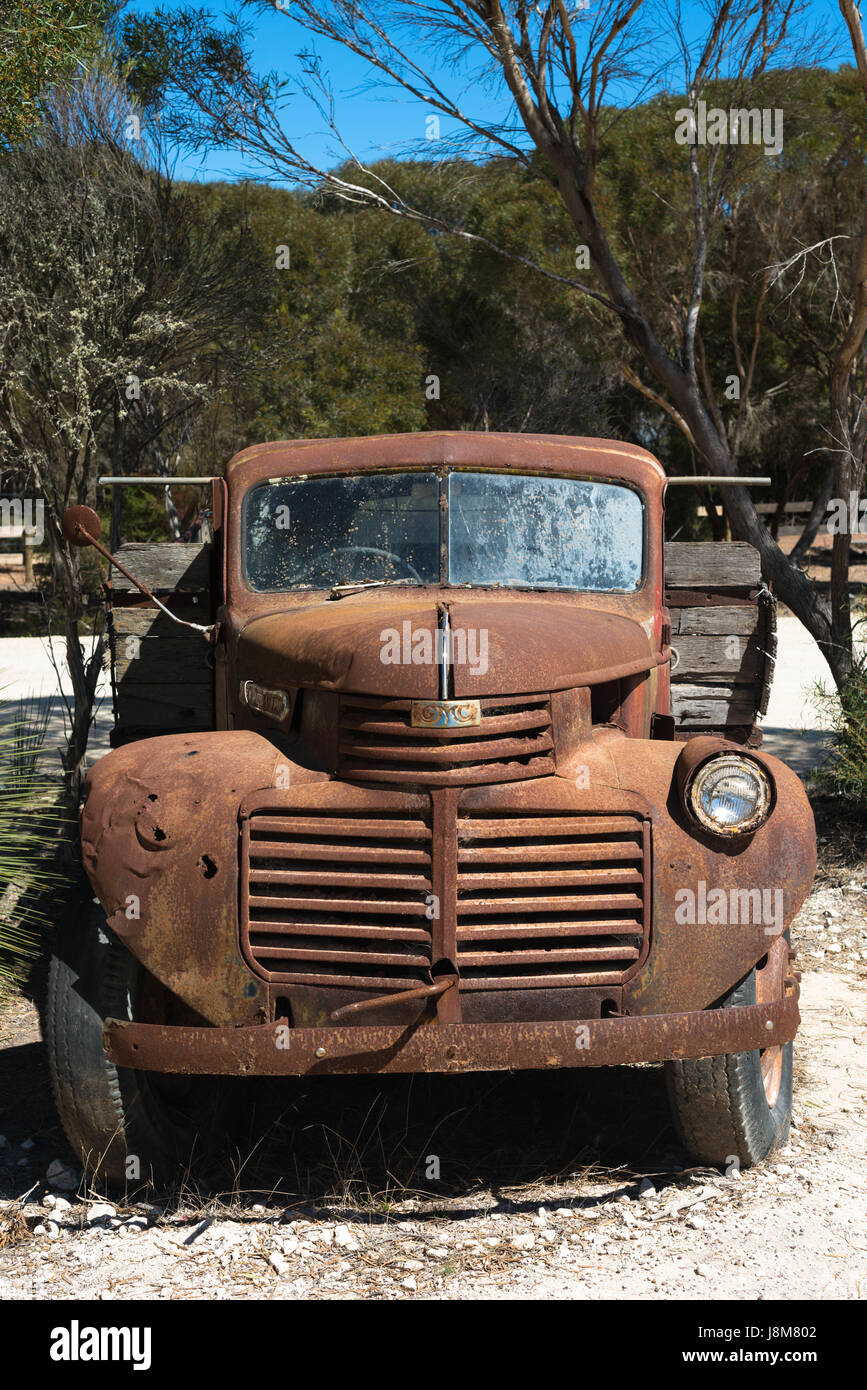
(126, 1126)
(737, 1106)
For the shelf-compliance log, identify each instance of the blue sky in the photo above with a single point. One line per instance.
(375, 122)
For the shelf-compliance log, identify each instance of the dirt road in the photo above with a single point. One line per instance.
(551, 1186)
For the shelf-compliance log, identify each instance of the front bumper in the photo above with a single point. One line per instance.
(275, 1049)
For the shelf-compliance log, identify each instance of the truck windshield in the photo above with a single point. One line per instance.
(504, 530)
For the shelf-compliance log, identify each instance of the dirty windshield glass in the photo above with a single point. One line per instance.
(505, 530)
(320, 532)
(544, 533)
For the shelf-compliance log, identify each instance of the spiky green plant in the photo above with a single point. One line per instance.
(845, 712)
(33, 826)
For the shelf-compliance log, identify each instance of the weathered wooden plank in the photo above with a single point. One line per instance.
(713, 706)
(711, 564)
(150, 622)
(173, 660)
(163, 676)
(162, 705)
(736, 659)
(715, 690)
(716, 620)
(164, 565)
(712, 714)
(160, 693)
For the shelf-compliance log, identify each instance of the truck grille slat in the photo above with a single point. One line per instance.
(310, 916)
(361, 930)
(326, 827)
(339, 976)
(530, 854)
(548, 878)
(514, 932)
(592, 926)
(551, 956)
(333, 854)
(482, 750)
(335, 957)
(495, 725)
(546, 828)
(563, 979)
(338, 878)
(378, 743)
(329, 903)
(607, 902)
(463, 776)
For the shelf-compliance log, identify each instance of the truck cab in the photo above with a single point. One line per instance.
(445, 800)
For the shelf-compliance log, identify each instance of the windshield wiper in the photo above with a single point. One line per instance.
(341, 590)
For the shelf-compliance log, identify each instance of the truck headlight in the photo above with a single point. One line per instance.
(729, 795)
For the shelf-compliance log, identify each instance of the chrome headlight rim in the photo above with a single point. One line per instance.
(738, 761)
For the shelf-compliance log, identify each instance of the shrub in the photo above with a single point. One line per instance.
(33, 826)
(846, 713)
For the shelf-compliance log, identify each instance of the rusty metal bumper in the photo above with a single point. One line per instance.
(274, 1049)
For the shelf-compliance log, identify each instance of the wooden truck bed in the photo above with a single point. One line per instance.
(162, 674)
(723, 637)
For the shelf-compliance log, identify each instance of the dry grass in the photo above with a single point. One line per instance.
(14, 1229)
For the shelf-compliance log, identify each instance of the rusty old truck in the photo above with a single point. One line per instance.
(436, 757)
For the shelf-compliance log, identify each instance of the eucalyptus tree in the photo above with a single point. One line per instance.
(120, 315)
(544, 85)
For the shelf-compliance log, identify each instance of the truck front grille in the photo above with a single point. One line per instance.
(329, 899)
(551, 900)
(379, 744)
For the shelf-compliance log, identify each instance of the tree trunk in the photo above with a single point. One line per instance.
(816, 517)
(789, 581)
(83, 671)
(84, 674)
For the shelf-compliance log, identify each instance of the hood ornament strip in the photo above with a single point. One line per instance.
(445, 636)
(445, 713)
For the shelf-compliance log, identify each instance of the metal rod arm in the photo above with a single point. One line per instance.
(718, 482)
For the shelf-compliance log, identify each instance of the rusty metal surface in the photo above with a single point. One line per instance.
(421, 992)
(377, 742)
(161, 823)
(273, 1050)
(551, 900)
(159, 842)
(534, 644)
(690, 963)
(551, 453)
(342, 861)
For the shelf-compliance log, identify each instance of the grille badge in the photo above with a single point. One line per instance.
(445, 714)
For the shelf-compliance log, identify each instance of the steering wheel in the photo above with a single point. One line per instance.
(362, 550)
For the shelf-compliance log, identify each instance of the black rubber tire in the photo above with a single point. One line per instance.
(110, 1114)
(719, 1104)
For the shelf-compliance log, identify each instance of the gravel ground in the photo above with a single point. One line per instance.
(563, 1187)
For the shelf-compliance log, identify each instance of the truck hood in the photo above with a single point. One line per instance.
(383, 644)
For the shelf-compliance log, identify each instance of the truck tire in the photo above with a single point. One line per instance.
(737, 1107)
(126, 1126)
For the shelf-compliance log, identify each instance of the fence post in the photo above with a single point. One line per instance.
(29, 538)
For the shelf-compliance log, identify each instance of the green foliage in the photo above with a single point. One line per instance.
(846, 713)
(124, 311)
(344, 339)
(33, 825)
(42, 43)
(369, 309)
(372, 306)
